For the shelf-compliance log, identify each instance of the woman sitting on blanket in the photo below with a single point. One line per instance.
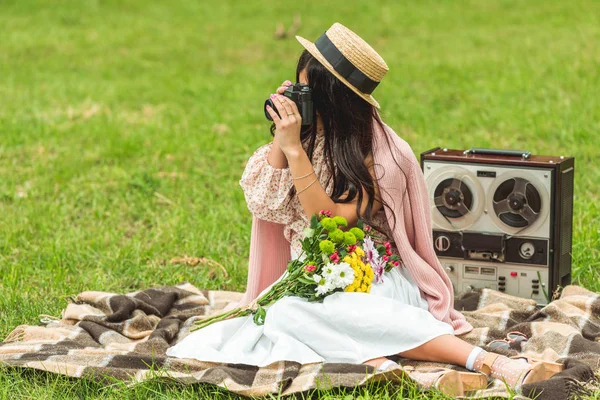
(351, 163)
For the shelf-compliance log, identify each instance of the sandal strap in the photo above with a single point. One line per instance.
(486, 367)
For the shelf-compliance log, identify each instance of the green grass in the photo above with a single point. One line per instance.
(125, 127)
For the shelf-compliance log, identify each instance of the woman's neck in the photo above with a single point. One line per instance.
(320, 127)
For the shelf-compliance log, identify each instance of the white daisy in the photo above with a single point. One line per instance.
(344, 275)
(323, 285)
(329, 271)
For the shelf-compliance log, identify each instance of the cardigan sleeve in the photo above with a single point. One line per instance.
(264, 264)
(404, 189)
(266, 188)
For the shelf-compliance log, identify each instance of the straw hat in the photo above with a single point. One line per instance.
(347, 56)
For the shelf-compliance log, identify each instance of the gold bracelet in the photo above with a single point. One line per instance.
(304, 176)
(298, 193)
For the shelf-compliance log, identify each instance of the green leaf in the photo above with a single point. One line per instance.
(259, 316)
(314, 222)
(306, 280)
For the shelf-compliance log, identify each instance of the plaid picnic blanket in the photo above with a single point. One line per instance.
(125, 336)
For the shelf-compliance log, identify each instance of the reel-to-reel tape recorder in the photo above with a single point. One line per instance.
(502, 219)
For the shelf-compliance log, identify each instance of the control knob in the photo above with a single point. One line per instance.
(442, 243)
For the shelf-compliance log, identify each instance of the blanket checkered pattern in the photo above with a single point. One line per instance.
(126, 336)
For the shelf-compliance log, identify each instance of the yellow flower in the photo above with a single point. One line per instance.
(350, 288)
(348, 259)
(359, 252)
(359, 275)
(363, 288)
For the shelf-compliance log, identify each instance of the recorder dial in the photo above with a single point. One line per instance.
(527, 250)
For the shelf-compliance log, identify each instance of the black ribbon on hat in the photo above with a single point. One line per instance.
(344, 67)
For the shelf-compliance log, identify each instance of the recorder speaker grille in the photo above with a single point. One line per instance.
(566, 223)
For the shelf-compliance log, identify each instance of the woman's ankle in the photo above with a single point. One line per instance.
(376, 362)
(510, 371)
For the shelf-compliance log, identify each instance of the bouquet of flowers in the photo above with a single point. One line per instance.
(332, 260)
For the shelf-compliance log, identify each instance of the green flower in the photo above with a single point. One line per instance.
(340, 221)
(327, 247)
(360, 235)
(328, 224)
(349, 238)
(337, 236)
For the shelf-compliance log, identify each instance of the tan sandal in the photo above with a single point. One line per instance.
(552, 368)
(448, 381)
(537, 371)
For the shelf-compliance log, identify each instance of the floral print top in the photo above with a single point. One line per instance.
(266, 191)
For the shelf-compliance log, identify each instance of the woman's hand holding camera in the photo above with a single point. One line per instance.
(288, 126)
(283, 86)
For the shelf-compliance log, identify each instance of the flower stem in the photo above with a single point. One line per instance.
(275, 293)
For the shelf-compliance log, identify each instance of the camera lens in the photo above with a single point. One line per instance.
(270, 103)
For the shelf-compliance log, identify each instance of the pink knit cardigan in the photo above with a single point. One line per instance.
(406, 195)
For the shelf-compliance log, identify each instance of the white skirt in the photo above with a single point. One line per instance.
(346, 328)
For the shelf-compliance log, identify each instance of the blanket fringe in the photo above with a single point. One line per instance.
(577, 389)
(17, 335)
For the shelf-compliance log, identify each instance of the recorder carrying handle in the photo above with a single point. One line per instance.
(498, 152)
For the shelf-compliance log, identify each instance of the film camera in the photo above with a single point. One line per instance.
(301, 94)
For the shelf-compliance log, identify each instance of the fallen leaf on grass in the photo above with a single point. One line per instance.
(193, 261)
(164, 199)
(220, 128)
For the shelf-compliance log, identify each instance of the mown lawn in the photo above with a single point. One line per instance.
(125, 127)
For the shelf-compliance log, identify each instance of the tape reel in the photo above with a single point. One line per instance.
(517, 202)
(456, 197)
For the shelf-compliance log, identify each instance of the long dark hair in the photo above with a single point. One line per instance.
(348, 124)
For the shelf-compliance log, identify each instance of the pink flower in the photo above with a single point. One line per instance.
(335, 257)
(370, 250)
(385, 258)
(366, 228)
(378, 269)
(388, 248)
(396, 263)
(351, 248)
(310, 268)
(326, 213)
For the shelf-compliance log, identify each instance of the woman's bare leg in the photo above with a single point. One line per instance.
(452, 350)
(446, 348)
